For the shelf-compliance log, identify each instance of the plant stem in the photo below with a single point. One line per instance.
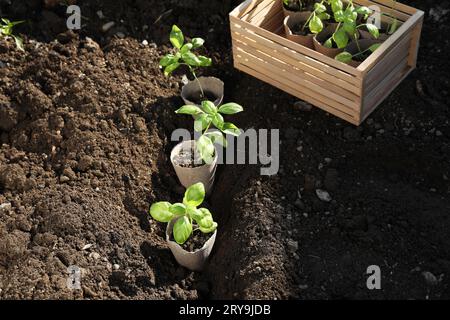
(198, 81)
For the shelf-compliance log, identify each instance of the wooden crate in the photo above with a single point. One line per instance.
(261, 50)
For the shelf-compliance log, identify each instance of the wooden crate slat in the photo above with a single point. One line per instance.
(393, 12)
(387, 85)
(282, 85)
(309, 73)
(400, 52)
(274, 24)
(269, 11)
(293, 59)
(300, 83)
(253, 12)
(302, 78)
(298, 47)
(398, 6)
(414, 49)
(282, 49)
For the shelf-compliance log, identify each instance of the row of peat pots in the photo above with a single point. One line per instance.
(191, 230)
(337, 28)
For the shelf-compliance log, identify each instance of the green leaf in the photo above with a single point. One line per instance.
(206, 221)
(191, 59)
(171, 68)
(339, 16)
(217, 137)
(230, 108)
(160, 211)
(177, 209)
(373, 30)
(176, 37)
(197, 42)
(324, 16)
(19, 42)
(204, 61)
(229, 128)
(206, 148)
(189, 109)
(194, 195)
(374, 47)
(194, 213)
(393, 27)
(365, 11)
(341, 38)
(168, 59)
(209, 107)
(315, 24)
(319, 8)
(350, 28)
(209, 230)
(328, 43)
(344, 57)
(337, 5)
(202, 122)
(218, 121)
(182, 230)
(186, 48)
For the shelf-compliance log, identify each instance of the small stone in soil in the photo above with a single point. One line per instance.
(323, 195)
(430, 278)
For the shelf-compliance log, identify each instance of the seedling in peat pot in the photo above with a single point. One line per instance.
(357, 52)
(196, 161)
(184, 55)
(346, 29)
(187, 214)
(6, 30)
(208, 116)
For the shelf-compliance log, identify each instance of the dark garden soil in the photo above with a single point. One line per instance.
(85, 125)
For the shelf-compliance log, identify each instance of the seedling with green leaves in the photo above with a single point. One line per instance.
(184, 55)
(361, 55)
(6, 29)
(318, 15)
(208, 116)
(347, 27)
(190, 217)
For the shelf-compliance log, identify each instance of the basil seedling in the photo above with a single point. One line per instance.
(184, 55)
(6, 29)
(347, 27)
(190, 218)
(209, 116)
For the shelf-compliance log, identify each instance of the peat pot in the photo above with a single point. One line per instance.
(321, 37)
(294, 20)
(364, 44)
(190, 175)
(194, 261)
(213, 89)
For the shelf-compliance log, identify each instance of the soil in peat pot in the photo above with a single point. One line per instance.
(195, 242)
(298, 30)
(85, 126)
(188, 158)
(199, 98)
